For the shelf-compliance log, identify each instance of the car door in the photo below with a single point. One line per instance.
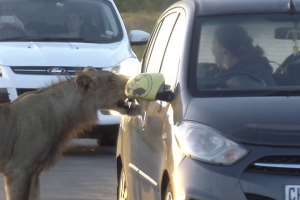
(164, 57)
(130, 129)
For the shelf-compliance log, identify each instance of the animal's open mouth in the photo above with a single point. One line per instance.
(123, 103)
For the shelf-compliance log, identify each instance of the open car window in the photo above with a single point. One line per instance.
(247, 53)
(88, 20)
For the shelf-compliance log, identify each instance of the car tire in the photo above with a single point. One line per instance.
(168, 193)
(122, 186)
(99, 142)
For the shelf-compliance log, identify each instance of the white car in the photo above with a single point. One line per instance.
(42, 41)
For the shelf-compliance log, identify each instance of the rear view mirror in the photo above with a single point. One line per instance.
(287, 33)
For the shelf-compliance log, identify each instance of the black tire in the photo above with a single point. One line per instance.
(99, 142)
(122, 186)
(168, 194)
(109, 141)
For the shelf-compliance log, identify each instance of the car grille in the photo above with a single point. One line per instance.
(256, 197)
(4, 96)
(36, 70)
(283, 165)
(252, 197)
(21, 91)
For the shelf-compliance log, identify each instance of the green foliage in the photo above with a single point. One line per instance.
(140, 21)
(141, 15)
(143, 5)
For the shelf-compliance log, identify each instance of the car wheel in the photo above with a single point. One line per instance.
(169, 192)
(122, 186)
(99, 142)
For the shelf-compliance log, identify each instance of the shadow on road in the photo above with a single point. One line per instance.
(88, 147)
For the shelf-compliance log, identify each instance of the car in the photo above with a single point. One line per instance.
(43, 41)
(214, 112)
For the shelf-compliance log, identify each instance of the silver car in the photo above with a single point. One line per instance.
(214, 113)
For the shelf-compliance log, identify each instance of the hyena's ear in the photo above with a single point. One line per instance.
(110, 80)
(84, 82)
(89, 68)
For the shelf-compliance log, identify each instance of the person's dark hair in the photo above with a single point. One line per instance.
(237, 41)
(75, 11)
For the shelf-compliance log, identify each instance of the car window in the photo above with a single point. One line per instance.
(92, 21)
(149, 46)
(172, 57)
(160, 43)
(247, 52)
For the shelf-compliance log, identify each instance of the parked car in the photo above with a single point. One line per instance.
(43, 41)
(214, 113)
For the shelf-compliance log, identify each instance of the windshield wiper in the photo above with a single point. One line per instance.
(43, 39)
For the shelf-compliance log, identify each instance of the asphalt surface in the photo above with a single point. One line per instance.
(86, 172)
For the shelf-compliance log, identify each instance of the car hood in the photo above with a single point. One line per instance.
(254, 120)
(62, 54)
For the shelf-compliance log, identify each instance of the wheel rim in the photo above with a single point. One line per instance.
(169, 196)
(123, 187)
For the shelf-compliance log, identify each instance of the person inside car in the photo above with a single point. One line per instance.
(234, 52)
(9, 10)
(75, 26)
(73, 23)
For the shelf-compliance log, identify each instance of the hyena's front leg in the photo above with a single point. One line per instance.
(17, 184)
(35, 187)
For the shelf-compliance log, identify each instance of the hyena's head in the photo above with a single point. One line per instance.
(104, 88)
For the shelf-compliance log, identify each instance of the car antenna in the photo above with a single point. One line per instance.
(291, 6)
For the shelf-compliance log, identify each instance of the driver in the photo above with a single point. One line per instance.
(233, 51)
(10, 10)
(76, 27)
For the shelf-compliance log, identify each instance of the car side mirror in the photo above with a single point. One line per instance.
(148, 87)
(138, 37)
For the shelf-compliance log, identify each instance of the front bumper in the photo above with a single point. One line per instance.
(195, 180)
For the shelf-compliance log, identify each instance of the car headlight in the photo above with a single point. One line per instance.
(204, 143)
(128, 67)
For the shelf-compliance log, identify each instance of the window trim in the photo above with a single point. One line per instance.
(149, 52)
(193, 60)
(180, 14)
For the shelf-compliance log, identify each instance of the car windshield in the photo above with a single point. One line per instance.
(249, 54)
(69, 20)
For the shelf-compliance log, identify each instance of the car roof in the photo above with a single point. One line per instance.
(223, 7)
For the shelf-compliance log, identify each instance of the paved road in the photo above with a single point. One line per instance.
(86, 172)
